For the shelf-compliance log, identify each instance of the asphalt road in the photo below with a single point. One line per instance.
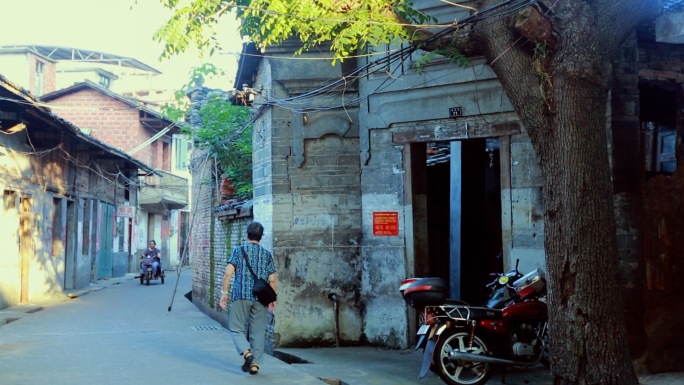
(121, 332)
(124, 334)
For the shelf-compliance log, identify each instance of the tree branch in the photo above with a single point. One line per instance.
(536, 27)
(424, 39)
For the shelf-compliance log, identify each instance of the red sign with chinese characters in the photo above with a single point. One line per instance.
(125, 211)
(386, 223)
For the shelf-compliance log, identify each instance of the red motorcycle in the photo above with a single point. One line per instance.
(463, 343)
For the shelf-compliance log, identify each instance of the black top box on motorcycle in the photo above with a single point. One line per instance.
(426, 292)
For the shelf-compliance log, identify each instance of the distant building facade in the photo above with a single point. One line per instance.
(130, 124)
(148, 137)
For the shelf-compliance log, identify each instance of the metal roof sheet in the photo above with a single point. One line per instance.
(58, 53)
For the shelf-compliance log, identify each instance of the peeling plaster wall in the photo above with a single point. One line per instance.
(385, 180)
(523, 209)
(423, 98)
(306, 184)
(384, 257)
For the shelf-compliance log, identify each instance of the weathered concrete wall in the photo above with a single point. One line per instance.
(479, 93)
(384, 257)
(522, 207)
(385, 178)
(307, 206)
(306, 194)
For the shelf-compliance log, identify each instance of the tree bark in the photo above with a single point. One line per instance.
(560, 97)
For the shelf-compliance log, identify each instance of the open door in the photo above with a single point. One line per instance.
(464, 215)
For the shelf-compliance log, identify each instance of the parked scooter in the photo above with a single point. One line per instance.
(147, 275)
(462, 343)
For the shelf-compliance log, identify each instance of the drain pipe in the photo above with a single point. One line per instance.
(333, 297)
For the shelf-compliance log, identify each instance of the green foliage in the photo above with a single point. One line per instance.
(224, 134)
(223, 131)
(540, 57)
(347, 24)
(452, 54)
(192, 24)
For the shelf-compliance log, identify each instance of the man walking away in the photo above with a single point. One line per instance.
(247, 315)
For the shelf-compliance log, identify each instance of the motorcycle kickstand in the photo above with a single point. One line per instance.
(503, 375)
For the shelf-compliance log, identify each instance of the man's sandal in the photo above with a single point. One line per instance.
(249, 358)
(254, 369)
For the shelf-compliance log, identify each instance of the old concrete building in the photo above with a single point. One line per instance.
(60, 188)
(369, 171)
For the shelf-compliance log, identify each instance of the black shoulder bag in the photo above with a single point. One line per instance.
(262, 290)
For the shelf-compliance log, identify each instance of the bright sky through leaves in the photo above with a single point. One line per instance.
(120, 27)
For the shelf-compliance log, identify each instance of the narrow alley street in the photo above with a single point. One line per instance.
(123, 334)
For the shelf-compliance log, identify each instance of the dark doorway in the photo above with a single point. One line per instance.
(658, 115)
(475, 205)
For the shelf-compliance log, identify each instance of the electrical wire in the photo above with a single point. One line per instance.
(152, 139)
(300, 103)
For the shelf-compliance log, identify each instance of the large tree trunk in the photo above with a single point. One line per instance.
(561, 98)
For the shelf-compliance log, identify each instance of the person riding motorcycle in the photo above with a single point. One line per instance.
(153, 253)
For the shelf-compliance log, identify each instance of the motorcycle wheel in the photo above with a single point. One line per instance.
(456, 372)
(142, 280)
(162, 279)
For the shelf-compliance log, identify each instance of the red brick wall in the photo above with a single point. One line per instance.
(50, 78)
(213, 238)
(49, 75)
(110, 120)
